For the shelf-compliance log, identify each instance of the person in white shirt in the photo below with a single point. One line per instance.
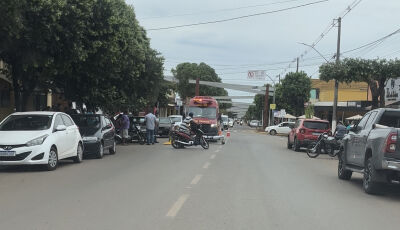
(150, 120)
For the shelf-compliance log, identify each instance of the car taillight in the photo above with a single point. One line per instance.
(391, 142)
(302, 131)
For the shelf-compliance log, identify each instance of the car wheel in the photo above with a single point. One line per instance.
(289, 146)
(113, 149)
(296, 145)
(52, 162)
(369, 180)
(100, 152)
(272, 132)
(79, 154)
(343, 173)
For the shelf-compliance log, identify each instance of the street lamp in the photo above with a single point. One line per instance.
(312, 47)
(335, 99)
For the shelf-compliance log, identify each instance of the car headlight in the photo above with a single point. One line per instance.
(213, 125)
(91, 139)
(37, 141)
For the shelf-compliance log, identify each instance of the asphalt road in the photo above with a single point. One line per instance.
(252, 182)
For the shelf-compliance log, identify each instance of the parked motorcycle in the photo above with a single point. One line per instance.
(134, 135)
(183, 136)
(326, 144)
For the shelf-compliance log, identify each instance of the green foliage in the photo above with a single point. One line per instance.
(252, 114)
(374, 72)
(190, 71)
(94, 51)
(309, 111)
(255, 112)
(293, 92)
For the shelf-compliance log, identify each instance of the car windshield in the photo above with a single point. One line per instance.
(165, 120)
(206, 112)
(391, 119)
(316, 125)
(83, 121)
(225, 119)
(26, 123)
(176, 119)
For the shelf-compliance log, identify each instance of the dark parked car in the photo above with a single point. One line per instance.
(98, 133)
(164, 126)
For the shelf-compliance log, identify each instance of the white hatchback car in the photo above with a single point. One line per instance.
(282, 128)
(39, 138)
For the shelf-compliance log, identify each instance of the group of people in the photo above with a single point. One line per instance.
(151, 127)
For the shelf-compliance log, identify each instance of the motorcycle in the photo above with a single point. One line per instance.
(134, 135)
(325, 143)
(183, 136)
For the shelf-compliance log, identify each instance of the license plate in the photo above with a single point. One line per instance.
(316, 134)
(7, 153)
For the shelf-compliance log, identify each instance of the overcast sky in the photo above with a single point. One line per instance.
(234, 47)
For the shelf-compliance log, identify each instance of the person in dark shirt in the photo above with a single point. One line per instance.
(340, 131)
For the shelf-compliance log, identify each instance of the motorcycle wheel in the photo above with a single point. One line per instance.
(174, 143)
(204, 143)
(313, 151)
(330, 150)
(141, 139)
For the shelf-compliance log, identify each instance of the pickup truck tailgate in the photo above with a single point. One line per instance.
(389, 141)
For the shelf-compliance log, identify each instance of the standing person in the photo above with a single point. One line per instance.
(156, 128)
(125, 124)
(150, 120)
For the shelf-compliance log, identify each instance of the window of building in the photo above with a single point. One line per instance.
(314, 94)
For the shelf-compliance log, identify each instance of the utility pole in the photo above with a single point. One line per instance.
(297, 68)
(279, 79)
(197, 92)
(266, 107)
(335, 98)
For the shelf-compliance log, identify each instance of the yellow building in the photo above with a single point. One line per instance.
(324, 91)
(352, 98)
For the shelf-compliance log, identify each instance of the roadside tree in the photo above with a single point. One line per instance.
(374, 72)
(293, 92)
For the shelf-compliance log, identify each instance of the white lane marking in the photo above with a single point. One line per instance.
(205, 166)
(213, 156)
(218, 150)
(196, 179)
(177, 206)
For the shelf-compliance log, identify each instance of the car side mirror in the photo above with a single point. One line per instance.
(355, 129)
(61, 128)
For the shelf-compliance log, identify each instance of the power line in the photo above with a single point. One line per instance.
(237, 18)
(323, 34)
(220, 10)
(375, 43)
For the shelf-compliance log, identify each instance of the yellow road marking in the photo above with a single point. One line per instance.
(205, 166)
(177, 206)
(196, 179)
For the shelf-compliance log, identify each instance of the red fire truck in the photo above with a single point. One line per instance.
(206, 113)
